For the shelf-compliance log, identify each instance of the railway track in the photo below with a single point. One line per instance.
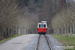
(43, 43)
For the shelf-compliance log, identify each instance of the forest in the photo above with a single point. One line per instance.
(22, 16)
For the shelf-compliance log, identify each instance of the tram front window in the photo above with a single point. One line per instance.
(39, 26)
(44, 26)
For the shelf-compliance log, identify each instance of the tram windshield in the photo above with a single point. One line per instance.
(42, 26)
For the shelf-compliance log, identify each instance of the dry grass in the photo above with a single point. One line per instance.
(67, 41)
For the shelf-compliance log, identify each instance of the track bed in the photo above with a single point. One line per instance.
(43, 43)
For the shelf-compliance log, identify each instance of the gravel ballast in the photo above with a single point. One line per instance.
(56, 45)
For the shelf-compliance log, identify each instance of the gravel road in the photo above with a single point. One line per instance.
(18, 43)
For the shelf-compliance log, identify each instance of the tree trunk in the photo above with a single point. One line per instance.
(19, 31)
(7, 34)
(16, 30)
(54, 31)
(67, 31)
(73, 30)
(70, 31)
(58, 31)
(62, 30)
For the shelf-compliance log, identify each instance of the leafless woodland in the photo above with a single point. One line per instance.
(22, 16)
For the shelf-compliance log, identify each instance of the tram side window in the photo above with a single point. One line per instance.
(44, 26)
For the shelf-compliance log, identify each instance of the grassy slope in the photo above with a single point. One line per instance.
(4, 40)
(67, 41)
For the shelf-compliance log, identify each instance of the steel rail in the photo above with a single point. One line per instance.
(48, 42)
(38, 42)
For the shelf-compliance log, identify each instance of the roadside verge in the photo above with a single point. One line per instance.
(67, 41)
